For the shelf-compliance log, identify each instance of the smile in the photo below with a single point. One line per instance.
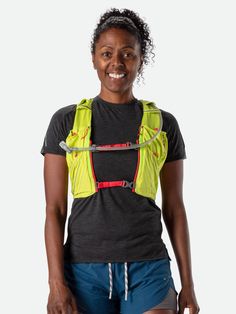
(116, 76)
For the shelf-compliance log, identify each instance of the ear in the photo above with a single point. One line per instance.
(93, 60)
(141, 63)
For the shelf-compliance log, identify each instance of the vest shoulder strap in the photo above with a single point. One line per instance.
(149, 106)
(151, 115)
(83, 117)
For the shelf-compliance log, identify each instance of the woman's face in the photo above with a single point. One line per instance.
(117, 59)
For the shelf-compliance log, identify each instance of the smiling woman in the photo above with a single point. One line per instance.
(114, 259)
(117, 59)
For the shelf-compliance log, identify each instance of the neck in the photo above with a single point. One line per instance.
(117, 98)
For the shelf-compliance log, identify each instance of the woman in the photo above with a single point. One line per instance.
(115, 147)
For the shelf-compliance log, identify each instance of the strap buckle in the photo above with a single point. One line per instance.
(94, 148)
(127, 184)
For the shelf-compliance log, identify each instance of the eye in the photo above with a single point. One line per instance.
(128, 54)
(106, 54)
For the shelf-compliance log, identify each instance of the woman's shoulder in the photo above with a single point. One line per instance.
(65, 111)
(167, 115)
(169, 120)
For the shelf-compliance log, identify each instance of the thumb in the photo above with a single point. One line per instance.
(181, 308)
(191, 309)
(74, 306)
(70, 310)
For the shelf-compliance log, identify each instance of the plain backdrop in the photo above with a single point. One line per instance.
(45, 64)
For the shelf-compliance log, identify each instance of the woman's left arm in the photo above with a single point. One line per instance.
(174, 216)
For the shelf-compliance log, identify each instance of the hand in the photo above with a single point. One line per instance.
(61, 300)
(187, 299)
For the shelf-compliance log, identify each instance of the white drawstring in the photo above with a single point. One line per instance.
(110, 280)
(126, 280)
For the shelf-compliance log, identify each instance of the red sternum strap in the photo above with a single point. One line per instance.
(109, 184)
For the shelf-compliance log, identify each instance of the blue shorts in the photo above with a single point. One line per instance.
(113, 288)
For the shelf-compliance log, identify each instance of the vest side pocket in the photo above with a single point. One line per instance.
(164, 146)
(82, 181)
(148, 172)
(157, 148)
(72, 158)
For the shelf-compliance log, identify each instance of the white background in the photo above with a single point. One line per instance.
(45, 64)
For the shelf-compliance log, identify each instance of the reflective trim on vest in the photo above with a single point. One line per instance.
(150, 157)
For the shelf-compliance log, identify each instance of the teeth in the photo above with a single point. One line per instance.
(116, 75)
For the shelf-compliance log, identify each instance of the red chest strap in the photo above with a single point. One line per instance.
(109, 184)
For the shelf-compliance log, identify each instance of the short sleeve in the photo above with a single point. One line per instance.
(176, 145)
(59, 127)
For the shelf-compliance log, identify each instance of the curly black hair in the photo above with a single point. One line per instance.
(130, 21)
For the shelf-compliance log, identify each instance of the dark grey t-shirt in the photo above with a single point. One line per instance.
(114, 224)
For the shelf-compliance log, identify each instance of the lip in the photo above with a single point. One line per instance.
(117, 73)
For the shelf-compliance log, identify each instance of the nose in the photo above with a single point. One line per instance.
(117, 60)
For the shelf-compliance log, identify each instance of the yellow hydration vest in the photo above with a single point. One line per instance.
(150, 157)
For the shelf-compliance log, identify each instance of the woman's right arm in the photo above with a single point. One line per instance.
(60, 298)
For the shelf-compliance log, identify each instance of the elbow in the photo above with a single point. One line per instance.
(172, 212)
(56, 211)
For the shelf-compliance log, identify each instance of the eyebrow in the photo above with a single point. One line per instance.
(108, 46)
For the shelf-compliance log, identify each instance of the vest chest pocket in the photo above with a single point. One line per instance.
(157, 149)
(78, 138)
(72, 140)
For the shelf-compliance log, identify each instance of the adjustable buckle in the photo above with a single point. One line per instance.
(127, 184)
(94, 150)
(128, 143)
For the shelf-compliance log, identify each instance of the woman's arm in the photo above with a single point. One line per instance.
(56, 189)
(174, 216)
